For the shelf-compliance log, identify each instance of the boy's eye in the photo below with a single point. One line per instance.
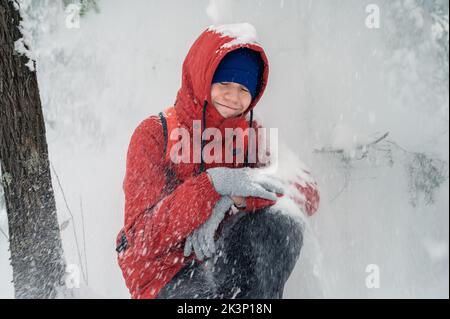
(243, 88)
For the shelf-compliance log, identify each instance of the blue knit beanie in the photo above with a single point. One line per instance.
(241, 66)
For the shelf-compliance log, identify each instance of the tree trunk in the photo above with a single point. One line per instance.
(35, 241)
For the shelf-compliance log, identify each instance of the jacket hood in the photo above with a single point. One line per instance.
(198, 70)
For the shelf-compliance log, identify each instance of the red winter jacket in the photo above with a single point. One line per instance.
(160, 215)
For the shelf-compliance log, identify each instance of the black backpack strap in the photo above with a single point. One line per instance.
(165, 132)
(171, 182)
(123, 242)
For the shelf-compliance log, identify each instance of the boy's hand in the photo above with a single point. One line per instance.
(202, 239)
(244, 182)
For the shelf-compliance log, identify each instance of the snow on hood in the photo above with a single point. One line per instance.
(243, 33)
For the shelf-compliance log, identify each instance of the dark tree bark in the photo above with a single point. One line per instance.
(35, 241)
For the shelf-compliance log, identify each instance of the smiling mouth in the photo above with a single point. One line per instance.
(227, 106)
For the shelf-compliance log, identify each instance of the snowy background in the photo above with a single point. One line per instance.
(335, 86)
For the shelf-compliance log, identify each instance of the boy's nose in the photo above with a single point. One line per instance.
(232, 95)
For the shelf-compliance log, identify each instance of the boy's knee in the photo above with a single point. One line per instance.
(270, 225)
(264, 246)
(277, 242)
(270, 234)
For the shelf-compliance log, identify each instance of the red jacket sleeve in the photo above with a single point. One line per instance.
(156, 223)
(303, 189)
(306, 193)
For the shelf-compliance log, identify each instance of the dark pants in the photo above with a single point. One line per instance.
(256, 253)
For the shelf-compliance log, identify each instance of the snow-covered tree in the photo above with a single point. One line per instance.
(34, 235)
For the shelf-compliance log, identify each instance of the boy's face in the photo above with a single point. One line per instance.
(230, 99)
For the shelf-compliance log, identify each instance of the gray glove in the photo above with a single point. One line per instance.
(244, 182)
(202, 239)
